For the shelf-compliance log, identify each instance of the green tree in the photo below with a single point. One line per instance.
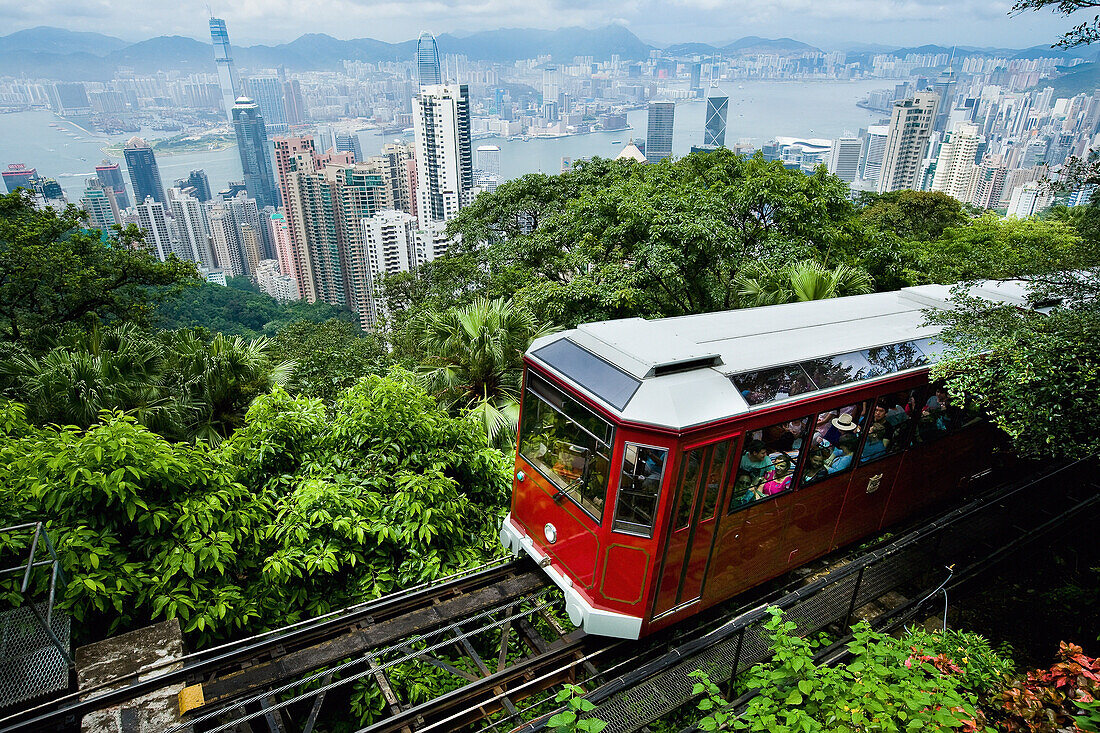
(799, 281)
(56, 275)
(301, 510)
(176, 383)
(912, 215)
(473, 357)
(236, 311)
(328, 357)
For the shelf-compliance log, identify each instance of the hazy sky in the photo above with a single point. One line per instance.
(825, 23)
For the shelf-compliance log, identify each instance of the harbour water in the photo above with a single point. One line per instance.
(758, 111)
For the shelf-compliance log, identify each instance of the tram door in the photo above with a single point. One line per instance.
(693, 523)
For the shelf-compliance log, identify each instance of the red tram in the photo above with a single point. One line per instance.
(665, 466)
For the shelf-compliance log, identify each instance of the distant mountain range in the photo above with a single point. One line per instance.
(56, 53)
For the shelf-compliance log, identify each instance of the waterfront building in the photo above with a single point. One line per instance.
(141, 164)
(259, 179)
(444, 155)
(349, 143)
(487, 159)
(296, 111)
(658, 139)
(198, 181)
(955, 165)
(714, 131)
(429, 71)
(844, 158)
(910, 129)
(111, 176)
(19, 176)
(99, 203)
(874, 148)
(227, 71)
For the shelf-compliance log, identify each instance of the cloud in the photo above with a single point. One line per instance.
(979, 22)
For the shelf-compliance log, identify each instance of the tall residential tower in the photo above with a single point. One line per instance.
(910, 128)
(444, 156)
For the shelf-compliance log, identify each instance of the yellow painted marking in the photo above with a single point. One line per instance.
(191, 698)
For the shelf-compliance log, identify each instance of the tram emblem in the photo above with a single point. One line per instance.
(873, 483)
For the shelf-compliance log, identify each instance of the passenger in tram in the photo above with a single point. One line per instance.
(815, 468)
(842, 456)
(840, 426)
(779, 478)
(755, 461)
(744, 491)
(876, 444)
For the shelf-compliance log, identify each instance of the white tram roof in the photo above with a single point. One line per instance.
(676, 372)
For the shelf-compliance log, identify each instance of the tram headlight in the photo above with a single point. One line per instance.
(550, 532)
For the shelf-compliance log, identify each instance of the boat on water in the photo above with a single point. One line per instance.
(616, 142)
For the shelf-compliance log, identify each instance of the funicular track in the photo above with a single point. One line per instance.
(502, 623)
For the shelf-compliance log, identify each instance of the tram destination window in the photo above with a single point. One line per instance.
(768, 462)
(568, 443)
(608, 382)
(639, 489)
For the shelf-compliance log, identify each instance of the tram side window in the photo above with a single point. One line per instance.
(558, 437)
(890, 426)
(767, 463)
(639, 489)
(939, 416)
(833, 443)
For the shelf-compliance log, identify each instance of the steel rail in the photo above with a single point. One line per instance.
(216, 659)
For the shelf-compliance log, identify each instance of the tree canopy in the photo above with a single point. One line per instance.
(56, 275)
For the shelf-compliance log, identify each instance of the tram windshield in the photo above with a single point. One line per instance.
(568, 444)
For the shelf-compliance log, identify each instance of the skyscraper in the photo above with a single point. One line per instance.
(393, 245)
(99, 202)
(658, 140)
(227, 72)
(427, 60)
(910, 127)
(153, 220)
(444, 156)
(955, 165)
(198, 181)
(267, 92)
(714, 132)
(259, 178)
(874, 147)
(111, 176)
(144, 173)
(193, 227)
(325, 199)
(844, 158)
(296, 113)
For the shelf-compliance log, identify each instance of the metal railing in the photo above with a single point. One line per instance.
(34, 638)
